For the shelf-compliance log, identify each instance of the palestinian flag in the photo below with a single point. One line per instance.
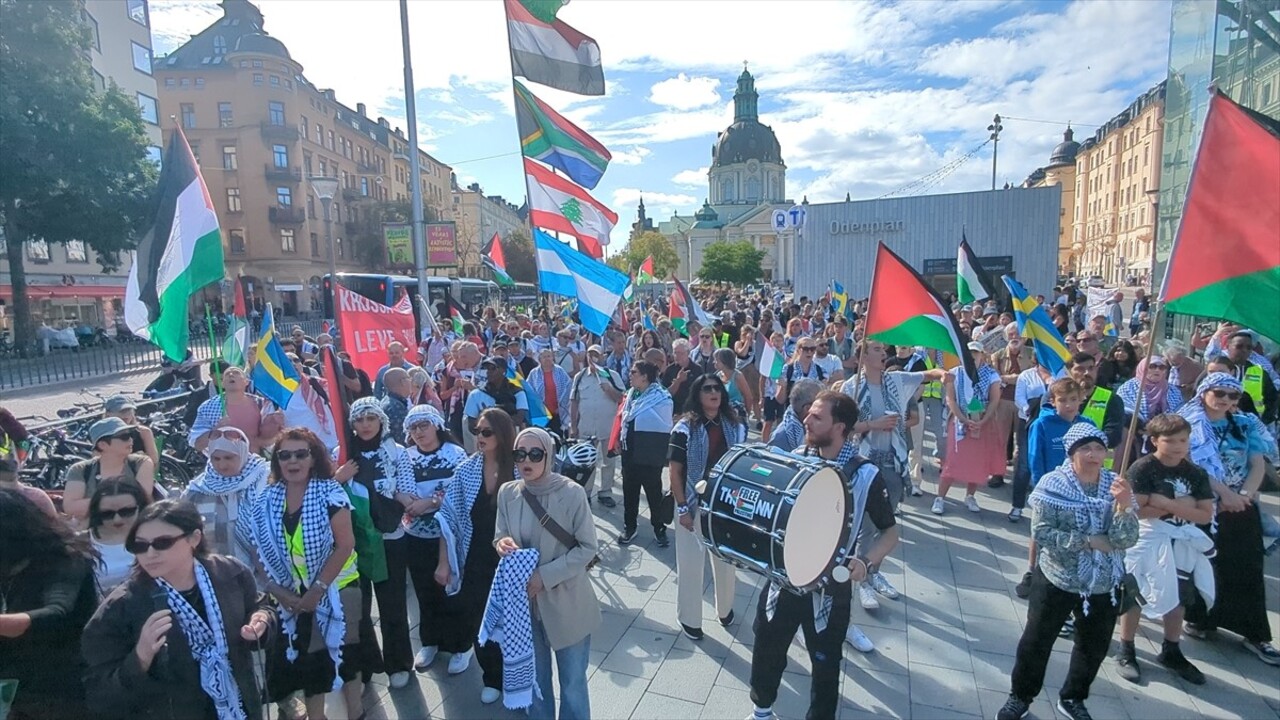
(629, 292)
(179, 255)
(691, 305)
(557, 204)
(972, 282)
(549, 52)
(237, 340)
(548, 136)
(457, 315)
(1225, 261)
(496, 261)
(904, 310)
(645, 275)
(771, 362)
(676, 313)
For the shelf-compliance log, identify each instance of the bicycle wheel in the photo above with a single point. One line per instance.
(174, 474)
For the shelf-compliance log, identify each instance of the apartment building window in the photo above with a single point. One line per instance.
(76, 252)
(168, 82)
(138, 12)
(315, 245)
(233, 200)
(275, 81)
(287, 242)
(319, 134)
(199, 83)
(306, 129)
(155, 154)
(311, 206)
(219, 45)
(331, 140)
(275, 113)
(185, 83)
(306, 163)
(224, 115)
(342, 251)
(147, 107)
(324, 168)
(229, 157)
(364, 186)
(235, 239)
(280, 155)
(257, 64)
(93, 29)
(38, 250)
(188, 115)
(141, 58)
(195, 151)
(257, 79)
(284, 197)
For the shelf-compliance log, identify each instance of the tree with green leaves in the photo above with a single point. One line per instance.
(731, 262)
(73, 159)
(365, 236)
(650, 242)
(518, 249)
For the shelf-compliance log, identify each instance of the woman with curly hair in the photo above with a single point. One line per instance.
(1120, 366)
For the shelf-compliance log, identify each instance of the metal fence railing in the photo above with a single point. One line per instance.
(60, 365)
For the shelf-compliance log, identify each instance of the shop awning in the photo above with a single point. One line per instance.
(46, 292)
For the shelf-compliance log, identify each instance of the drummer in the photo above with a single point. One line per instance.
(698, 441)
(823, 614)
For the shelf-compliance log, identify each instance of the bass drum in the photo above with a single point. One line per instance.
(780, 515)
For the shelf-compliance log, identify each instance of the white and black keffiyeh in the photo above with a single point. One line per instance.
(697, 447)
(508, 621)
(236, 490)
(1061, 489)
(789, 434)
(208, 642)
(317, 544)
(455, 516)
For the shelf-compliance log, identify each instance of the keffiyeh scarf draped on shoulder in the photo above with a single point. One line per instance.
(1210, 442)
(236, 489)
(317, 543)
(455, 516)
(207, 637)
(1061, 489)
(698, 446)
(973, 395)
(637, 402)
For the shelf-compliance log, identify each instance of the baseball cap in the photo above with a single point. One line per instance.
(502, 339)
(118, 403)
(596, 349)
(990, 310)
(105, 428)
(492, 362)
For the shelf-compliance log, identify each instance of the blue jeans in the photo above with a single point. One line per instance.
(571, 663)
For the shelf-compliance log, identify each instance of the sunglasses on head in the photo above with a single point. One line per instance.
(1228, 394)
(140, 547)
(224, 433)
(534, 455)
(485, 432)
(125, 513)
(287, 455)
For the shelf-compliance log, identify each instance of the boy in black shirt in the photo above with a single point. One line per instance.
(1173, 497)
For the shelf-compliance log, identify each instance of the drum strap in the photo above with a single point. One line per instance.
(550, 525)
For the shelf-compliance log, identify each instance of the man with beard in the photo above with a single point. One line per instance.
(823, 615)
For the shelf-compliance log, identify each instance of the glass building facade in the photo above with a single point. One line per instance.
(1235, 45)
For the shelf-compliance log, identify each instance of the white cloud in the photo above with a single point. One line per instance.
(691, 178)
(685, 93)
(634, 156)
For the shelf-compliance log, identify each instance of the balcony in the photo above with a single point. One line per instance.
(353, 195)
(278, 133)
(280, 215)
(366, 169)
(283, 174)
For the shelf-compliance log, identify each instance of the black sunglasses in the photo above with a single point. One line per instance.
(712, 389)
(140, 547)
(287, 455)
(536, 455)
(1228, 394)
(485, 432)
(124, 513)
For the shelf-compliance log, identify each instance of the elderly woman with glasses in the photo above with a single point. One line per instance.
(306, 543)
(176, 639)
(1233, 448)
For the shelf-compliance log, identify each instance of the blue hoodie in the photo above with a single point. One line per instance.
(1044, 441)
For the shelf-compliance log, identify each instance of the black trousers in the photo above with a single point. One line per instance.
(1238, 571)
(477, 581)
(1021, 465)
(415, 558)
(773, 637)
(1047, 609)
(370, 653)
(635, 477)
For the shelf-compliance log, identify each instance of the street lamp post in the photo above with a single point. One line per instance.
(994, 128)
(325, 188)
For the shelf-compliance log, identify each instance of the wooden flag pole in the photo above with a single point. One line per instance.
(1132, 430)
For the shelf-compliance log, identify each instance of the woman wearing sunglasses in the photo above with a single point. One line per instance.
(564, 607)
(1233, 451)
(467, 520)
(112, 511)
(431, 456)
(46, 573)
(176, 639)
(303, 529)
(226, 491)
(113, 457)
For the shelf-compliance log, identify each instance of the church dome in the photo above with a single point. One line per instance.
(1065, 152)
(260, 43)
(747, 138)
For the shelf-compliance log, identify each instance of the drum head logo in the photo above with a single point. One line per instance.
(744, 502)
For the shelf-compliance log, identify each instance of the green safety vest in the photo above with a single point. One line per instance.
(931, 389)
(1253, 379)
(1096, 410)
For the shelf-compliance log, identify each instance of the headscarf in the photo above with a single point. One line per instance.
(367, 406)
(238, 446)
(1155, 392)
(544, 440)
(1205, 443)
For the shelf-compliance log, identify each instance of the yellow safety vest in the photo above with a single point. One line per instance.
(931, 389)
(297, 557)
(1254, 376)
(1096, 411)
(722, 340)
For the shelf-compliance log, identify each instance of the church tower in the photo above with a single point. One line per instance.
(746, 160)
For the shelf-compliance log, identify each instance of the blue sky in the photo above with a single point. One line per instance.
(865, 97)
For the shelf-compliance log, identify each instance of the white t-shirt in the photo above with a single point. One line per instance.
(115, 567)
(830, 364)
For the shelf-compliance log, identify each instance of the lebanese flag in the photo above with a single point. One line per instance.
(1226, 258)
(904, 310)
(557, 204)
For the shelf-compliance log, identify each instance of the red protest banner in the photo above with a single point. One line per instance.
(368, 327)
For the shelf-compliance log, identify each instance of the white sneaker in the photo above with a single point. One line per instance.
(489, 695)
(939, 506)
(867, 596)
(882, 585)
(858, 639)
(459, 663)
(399, 679)
(916, 491)
(425, 657)
(971, 502)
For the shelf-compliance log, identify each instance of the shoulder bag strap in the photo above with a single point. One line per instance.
(547, 523)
